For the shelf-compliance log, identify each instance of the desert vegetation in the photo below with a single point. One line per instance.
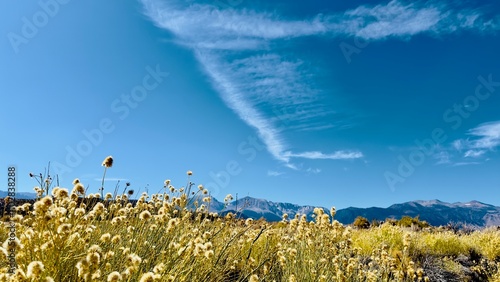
(69, 235)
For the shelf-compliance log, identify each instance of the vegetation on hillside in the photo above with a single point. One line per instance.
(69, 235)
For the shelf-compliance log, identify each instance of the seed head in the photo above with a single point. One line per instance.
(96, 274)
(209, 254)
(105, 238)
(108, 162)
(35, 268)
(79, 212)
(228, 198)
(47, 201)
(38, 191)
(134, 260)
(82, 267)
(79, 189)
(333, 211)
(145, 215)
(95, 249)
(43, 205)
(159, 268)
(99, 208)
(64, 228)
(93, 258)
(62, 193)
(147, 277)
(116, 239)
(248, 221)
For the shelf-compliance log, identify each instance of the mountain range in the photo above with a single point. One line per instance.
(19, 195)
(435, 212)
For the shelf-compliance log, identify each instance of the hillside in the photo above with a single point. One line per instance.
(435, 212)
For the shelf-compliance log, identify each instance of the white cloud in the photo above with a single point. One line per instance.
(487, 136)
(206, 26)
(399, 20)
(270, 81)
(314, 155)
(458, 145)
(442, 157)
(466, 163)
(274, 173)
(234, 47)
(238, 101)
(474, 153)
(392, 19)
(482, 139)
(313, 170)
(313, 127)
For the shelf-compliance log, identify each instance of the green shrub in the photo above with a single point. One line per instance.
(361, 223)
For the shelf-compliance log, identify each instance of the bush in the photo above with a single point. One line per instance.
(74, 236)
(407, 221)
(361, 223)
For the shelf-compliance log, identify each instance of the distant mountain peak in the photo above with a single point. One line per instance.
(429, 202)
(434, 211)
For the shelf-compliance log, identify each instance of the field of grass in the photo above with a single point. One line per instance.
(70, 236)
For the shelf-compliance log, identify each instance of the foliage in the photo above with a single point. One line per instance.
(361, 222)
(73, 236)
(407, 221)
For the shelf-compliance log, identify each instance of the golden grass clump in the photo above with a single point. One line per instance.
(168, 237)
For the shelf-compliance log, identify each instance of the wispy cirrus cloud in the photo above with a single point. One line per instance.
(442, 157)
(473, 150)
(339, 155)
(474, 153)
(402, 20)
(245, 54)
(274, 173)
(313, 170)
(487, 136)
(465, 163)
(484, 138)
(392, 19)
(207, 26)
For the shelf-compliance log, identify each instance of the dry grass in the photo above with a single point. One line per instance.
(64, 238)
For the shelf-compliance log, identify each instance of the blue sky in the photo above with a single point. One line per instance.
(358, 103)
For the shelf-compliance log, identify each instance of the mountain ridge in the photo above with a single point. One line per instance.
(435, 212)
